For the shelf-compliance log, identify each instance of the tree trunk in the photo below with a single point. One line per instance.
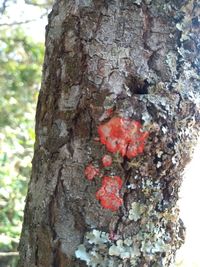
(130, 69)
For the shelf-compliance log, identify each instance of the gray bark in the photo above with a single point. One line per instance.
(140, 58)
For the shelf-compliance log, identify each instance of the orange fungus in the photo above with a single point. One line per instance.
(123, 135)
(108, 194)
(107, 160)
(91, 172)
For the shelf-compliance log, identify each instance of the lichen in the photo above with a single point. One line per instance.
(136, 211)
(151, 241)
(82, 254)
(93, 249)
(137, 2)
(98, 250)
(124, 249)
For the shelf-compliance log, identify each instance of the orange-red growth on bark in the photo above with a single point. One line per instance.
(108, 194)
(107, 160)
(91, 172)
(123, 135)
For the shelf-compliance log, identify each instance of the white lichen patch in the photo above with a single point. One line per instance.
(93, 250)
(150, 241)
(136, 211)
(174, 160)
(154, 243)
(159, 164)
(82, 254)
(137, 2)
(164, 129)
(124, 249)
(147, 119)
(97, 237)
(131, 186)
(171, 61)
(98, 250)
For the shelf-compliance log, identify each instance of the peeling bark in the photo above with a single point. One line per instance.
(140, 59)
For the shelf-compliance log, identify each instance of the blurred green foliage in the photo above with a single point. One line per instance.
(20, 75)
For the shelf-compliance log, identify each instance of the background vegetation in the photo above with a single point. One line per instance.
(20, 75)
(20, 72)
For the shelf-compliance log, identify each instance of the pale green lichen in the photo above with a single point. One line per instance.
(124, 249)
(154, 242)
(172, 62)
(94, 248)
(97, 237)
(136, 211)
(82, 254)
(98, 250)
(147, 119)
(150, 241)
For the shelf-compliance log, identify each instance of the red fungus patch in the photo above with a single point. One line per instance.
(108, 194)
(123, 135)
(91, 172)
(107, 160)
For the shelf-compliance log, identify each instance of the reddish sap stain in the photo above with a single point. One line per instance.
(124, 136)
(91, 172)
(112, 236)
(108, 194)
(107, 160)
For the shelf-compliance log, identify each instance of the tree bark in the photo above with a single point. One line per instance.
(129, 59)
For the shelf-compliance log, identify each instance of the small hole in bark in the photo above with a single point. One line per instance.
(163, 254)
(137, 86)
(196, 64)
(195, 22)
(170, 145)
(157, 159)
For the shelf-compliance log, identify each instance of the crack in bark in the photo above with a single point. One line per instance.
(147, 26)
(52, 203)
(36, 251)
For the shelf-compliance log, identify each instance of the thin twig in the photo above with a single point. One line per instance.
(8, 254)
(27, 2)
(17, 22)
(22, 22)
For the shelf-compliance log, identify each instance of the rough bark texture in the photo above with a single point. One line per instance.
(141, 59)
